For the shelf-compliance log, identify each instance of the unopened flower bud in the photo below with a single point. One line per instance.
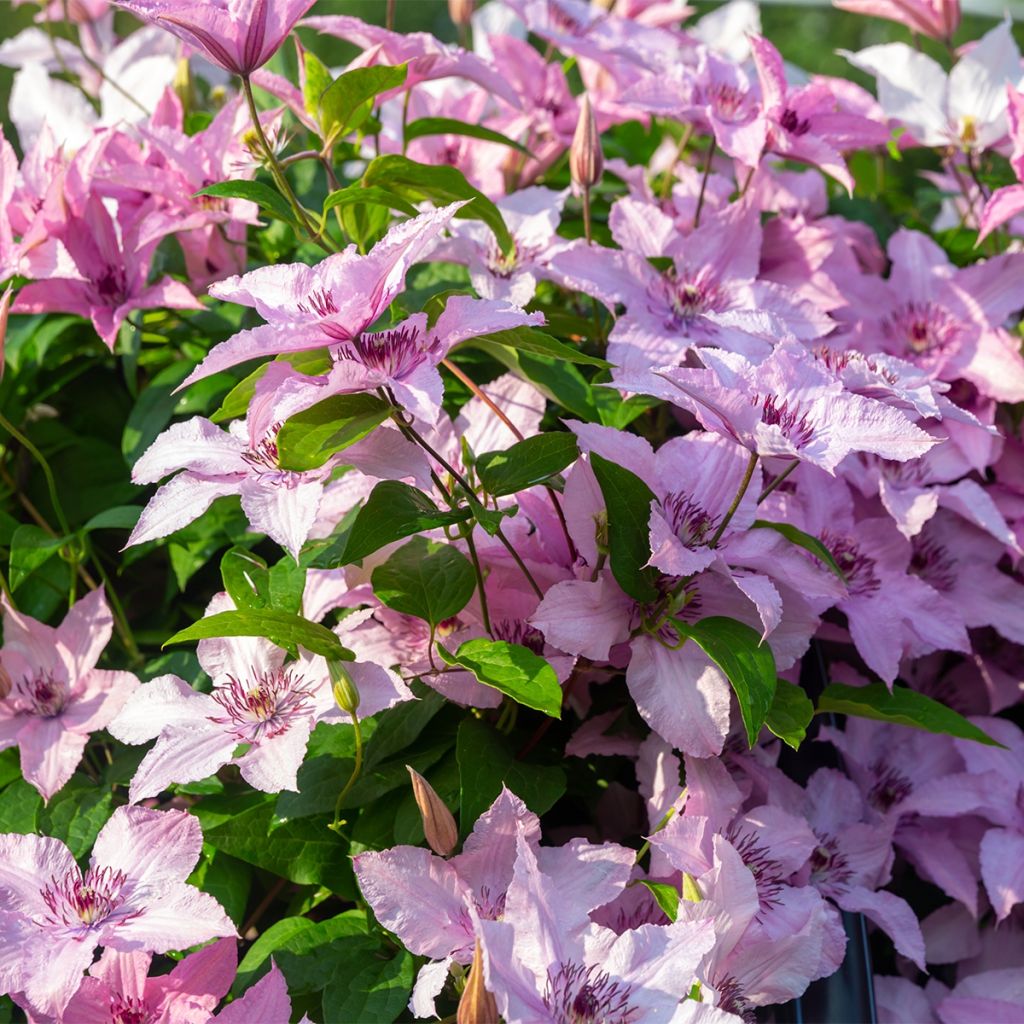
(346, 695)
(477, 1005)
(461, 11)
(439, 826)
(586, 161)
(691, 891)
(5, 308)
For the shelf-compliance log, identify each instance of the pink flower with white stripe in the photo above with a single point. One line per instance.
(133, 896)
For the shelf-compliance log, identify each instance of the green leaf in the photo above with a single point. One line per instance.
(790, 713)
(31, 547)
(377, 990)
(76, 814)
(255, 191)
(441, 185)
(316, 81)
(513, 669)
(153, 410)
(450, 126)
(359, 194)
(245, 578)
(527, 463)
(628, 502)
(802, 540)
(20, 806)
(487, 761)
(120, 517)
(902, 706)
(737, 650)
(304, 851)
(348, 101)
(281, 628)
(300, 937)
(423, 578)
(309, 438)
(226, 879)
(529, 339)
(392, 511)
(666, 895)
(235, 403)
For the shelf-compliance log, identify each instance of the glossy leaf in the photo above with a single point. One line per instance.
(748, 663)
(526, 463)
(348, 101)
(425, 126)
(628, 502)
(531, 340)
(395, 510)
(666, 895)
(264, 196)
(901, 706)
(309, 438)
(790, 714)
(513, 669)
(803, 540)
(284, 629)
(423, 578)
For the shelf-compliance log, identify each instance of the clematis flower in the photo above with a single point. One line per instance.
(58, 698)
(257, 700)
(936, 18)
(788, 407)
(945, 320)
(132, 897)
(541, 965)
(435, 906)
(327, 304)
(112, 281)
(710, 297)
(532, 216)
(1008, 201)
(266, 1002)
(238, 35)
(965, 109)
(117, 988)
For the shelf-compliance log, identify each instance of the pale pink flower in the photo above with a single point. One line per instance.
(132, 897)
(58, 697)
(266, 1002)
(1008, 201)
(239, 35)
(936, 18)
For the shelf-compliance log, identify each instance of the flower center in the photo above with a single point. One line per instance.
(828, 864)
(933, 563)
(578, 994)
(41, 695)
(728, 102)
(793, 423)
(518, 631)
(692, 524)
(732, 1000)
(765, 870)
(922, 327)
(86, 900)
(793, 123)
(264, 707)
(857, 567)
(890, 788)
(392, 353)
(264, 456)
(128, 1010)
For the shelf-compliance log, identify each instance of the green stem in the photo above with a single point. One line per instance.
(666, 818)
(277, 172)
(704, 183)
(684, 141)
(357, 768)
(744, 484)
(588, 230)
(51, 483)
(467, 536)
(778, 480)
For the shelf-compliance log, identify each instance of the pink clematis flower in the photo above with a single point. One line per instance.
(945, 320)
(710, 296)
(266, 1002)
(132, 897)
(239, 35)
(544, 961)
(112, 274)
(58, 697)
(936, 18)
(117, 989)
(1008, 201)
(436, 906)
(256, 700)
(805, 124)
(328, 304)
(788, 407)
